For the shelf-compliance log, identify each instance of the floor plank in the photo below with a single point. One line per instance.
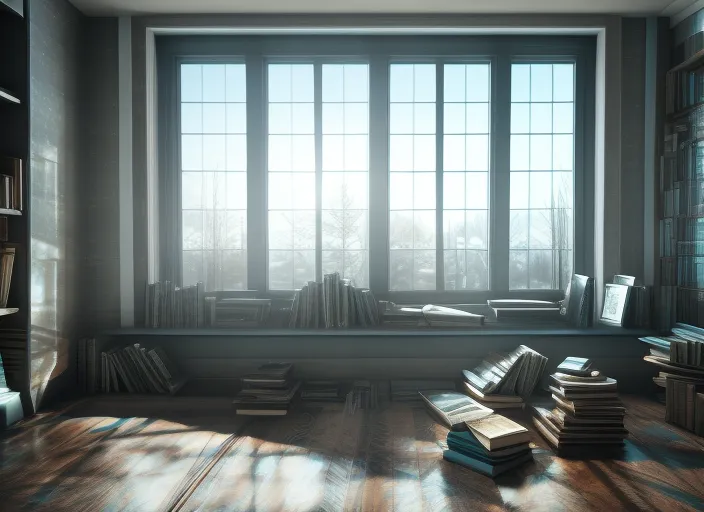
(192, 454)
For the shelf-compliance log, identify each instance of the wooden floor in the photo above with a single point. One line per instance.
(147, 454)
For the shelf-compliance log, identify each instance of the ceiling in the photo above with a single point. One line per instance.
(624, 7)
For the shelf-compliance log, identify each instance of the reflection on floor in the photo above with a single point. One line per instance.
(117, 453)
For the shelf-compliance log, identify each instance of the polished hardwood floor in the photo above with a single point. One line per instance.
(142, 454)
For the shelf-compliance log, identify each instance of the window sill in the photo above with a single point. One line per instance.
(487, 330)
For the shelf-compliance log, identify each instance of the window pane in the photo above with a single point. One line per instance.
(412, 184)
(214, 175)
(542, 162)
(465, 176)
(291, 180)
(345, 171)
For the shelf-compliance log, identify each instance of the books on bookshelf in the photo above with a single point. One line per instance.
(237, 312)
(334, 303)
(169, 306)
(268, 391)
(11, 170)
(135, 369)
(586, 412)
(491, 446)
(7, 261)
(453, 409)
(505, 380)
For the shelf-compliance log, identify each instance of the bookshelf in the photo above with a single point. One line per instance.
(682, 197)
(14, 207)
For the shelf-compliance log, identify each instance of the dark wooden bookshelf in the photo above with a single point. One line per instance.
(14, 221)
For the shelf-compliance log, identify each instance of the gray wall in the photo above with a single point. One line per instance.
(632, 145)
(73, 189)
(54, 175)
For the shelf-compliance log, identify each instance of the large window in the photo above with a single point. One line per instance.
(446, 168)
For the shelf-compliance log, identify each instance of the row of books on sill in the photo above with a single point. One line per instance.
(337, 303)
(679, 358)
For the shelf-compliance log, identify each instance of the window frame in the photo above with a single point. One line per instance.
(379, 52)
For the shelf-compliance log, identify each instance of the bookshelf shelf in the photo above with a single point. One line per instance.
(8, 211)
(8, 311)
(6, 96)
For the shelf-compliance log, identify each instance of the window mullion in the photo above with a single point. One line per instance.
(500, 176)
(379, 176)
(439, 127)
(318, 129)
(256, 175)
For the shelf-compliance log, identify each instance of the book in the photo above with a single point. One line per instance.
(579, 301)
(454, 408)
(496, 431)
(578, 366)
(7, 260)
(588, 385)
(699, 414)
(441, 316)
(485, 468)
(516, 373)
(496, 398)
(521, 304)
(615, 302)
(624, 280)
(3, 380)
(466, 442)
(10, 408)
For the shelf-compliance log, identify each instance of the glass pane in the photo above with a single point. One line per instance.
(477, 190)
(401, 191)
(477, 152)
(424, 270)
(423, 230)
(192, 118)
(478, 83)
(454, 118)
(477, 274)
(401, 118)
(303, 268)
(477, 118)
(477, 230)
(518, 270)
(401, 83)
(214, 198)
(424, 118)
(454, 152)
(280, 230)
(401, 230)
(214, 83)
(345, 203)
(424, 153)
(424, 83)
(191, 83)
(401, 153)
(454, 230)
(302, 120)
(454, 83)
(302, 83)
(541, 199)
(281, 270)
(453, 196)
(541, 82)
(304, 229)
(424, 191)
(214, 118)
(401, 270)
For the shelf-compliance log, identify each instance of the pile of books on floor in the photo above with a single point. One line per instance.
(269, 391)
(237, 312)
(680, 358)
(491, 446)
(135, 369)
(505, 380)
(333, 303)
(322, 391)
(363, 395)
(10, 403)
(587, 408)
(411, 390)
(170, 306)
(429, 315)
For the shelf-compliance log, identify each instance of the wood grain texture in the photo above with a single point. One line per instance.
(196, 454)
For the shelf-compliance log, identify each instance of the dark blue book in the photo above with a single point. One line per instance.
(486, 468)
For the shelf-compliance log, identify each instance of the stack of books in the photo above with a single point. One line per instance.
(587, 409)
(408, 390)
(10, 403)
(170, 306)
(491, 446)
(267, 392)
(453, 409)
(133, 369)
(237, 312)
(333, 303)
(504, 381)
(322, 391)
